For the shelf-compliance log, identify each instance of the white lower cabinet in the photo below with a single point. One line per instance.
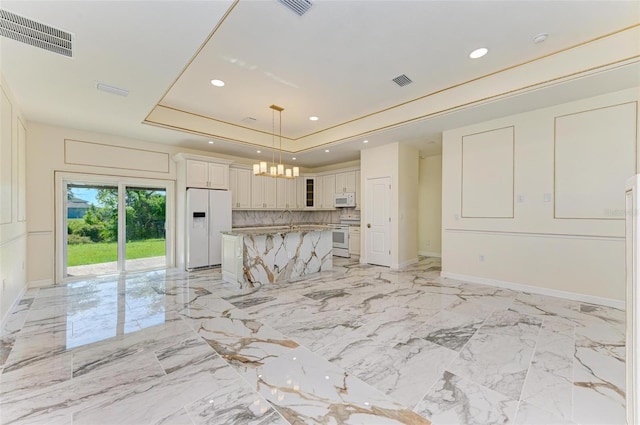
(232, 258)
(354, 240)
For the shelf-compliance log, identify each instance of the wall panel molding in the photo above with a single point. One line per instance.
(109, 156)
(488, 174)
(595, 152)
(6, 159)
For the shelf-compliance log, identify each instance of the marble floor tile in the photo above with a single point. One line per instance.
(162, 397)
(122, 347)
(455, 400)
(449, 329)
(528, 414)
(234, 402)
(361, 344)
(549, 382)
(499, 354)
(244, 343)
(179, 417)
(403, 369)
(6, 345)
(304, 388)
(62, 399)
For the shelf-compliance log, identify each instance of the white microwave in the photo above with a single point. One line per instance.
(345, 200)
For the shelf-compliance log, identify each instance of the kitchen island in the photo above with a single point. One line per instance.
(254, 256)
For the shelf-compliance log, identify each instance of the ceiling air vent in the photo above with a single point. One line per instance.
(402, 80)
(34, 33)
(249, 120)
(300, 7)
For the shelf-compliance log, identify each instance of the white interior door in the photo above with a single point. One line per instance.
(378, 221)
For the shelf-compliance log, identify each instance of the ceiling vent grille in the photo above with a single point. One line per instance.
(402, 80)
(34, 33)
(300, 7)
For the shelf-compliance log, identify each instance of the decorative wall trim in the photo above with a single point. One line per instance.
(160, 103)
(21, 187)
(574, 296)
(513, 172)
(539, 235)
(6, 151)
(157, 162)
(555, 158)
(430, 254)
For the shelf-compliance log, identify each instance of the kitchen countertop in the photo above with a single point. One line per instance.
(272, 230)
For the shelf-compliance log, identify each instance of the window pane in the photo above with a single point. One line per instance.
(145, 228)
(92, 229)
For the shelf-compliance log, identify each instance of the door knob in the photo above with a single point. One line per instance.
(368, 225)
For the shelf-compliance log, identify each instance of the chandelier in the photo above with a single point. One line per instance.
(275, 170)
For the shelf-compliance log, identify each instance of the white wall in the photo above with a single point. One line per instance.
(54, 149)
(430, 206)
(13, 224)
(103, 154)
(566, 233)
(407, 234)
(400, 163)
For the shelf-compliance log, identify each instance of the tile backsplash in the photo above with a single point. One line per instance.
(275, 218)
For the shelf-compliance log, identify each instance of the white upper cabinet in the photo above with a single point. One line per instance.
(240, 187)
(346, 182)
(281, 193)
(263, 192)
(328, 191)
(201, 171)
(208, 175)
(286, 194)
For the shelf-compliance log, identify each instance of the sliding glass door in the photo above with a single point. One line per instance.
(145, 228)
(92, 229)
(108, 225)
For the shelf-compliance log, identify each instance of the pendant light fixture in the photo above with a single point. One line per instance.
(275, 170)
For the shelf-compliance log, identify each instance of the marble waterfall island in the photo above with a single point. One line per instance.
(254, 256)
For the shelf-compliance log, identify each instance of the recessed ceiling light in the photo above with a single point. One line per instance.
(326, 150)
(540, 37)
(293, 159)
(217, 83)
(478, 53)
(211, 142)
(258, 151)
(313, 118)
(365, 141)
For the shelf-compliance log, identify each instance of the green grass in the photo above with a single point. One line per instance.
(95, 253)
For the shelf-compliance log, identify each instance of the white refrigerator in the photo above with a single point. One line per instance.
(208, 213)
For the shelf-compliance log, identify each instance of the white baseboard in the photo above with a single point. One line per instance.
(430, 254)
(574, 296)
(13, 305)
(40, 283)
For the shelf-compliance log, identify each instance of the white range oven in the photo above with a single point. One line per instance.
(341, 240)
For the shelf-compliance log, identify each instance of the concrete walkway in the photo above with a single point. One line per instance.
(112, 267)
